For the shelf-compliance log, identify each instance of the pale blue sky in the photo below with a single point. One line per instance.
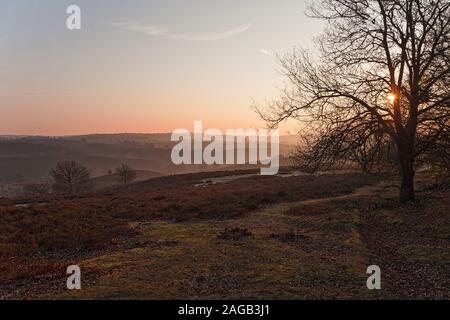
(142, 65)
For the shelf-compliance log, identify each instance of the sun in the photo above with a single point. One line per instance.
(391, 97)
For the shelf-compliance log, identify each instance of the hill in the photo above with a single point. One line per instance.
(110, 180)
(29, 159)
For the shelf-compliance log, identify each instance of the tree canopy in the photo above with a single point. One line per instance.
(381, 68)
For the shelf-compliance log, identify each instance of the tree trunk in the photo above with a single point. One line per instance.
(406, 155)
(407, 186)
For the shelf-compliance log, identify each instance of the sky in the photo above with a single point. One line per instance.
(143, 66)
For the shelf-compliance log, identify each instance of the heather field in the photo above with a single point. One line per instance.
(218, 236)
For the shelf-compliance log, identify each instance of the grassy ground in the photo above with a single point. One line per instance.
(255, 238)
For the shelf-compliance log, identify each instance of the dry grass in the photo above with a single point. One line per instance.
(259, 237)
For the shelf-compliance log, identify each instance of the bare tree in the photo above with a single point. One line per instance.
(334, 148)
(36, 188)
(380, 63)
(70, 176)
(125, 174)
(437, 150)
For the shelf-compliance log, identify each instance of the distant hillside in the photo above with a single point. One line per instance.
(110, 180)
(157, 139)
(30, 158)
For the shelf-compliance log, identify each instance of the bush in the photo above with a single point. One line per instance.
(37, 188)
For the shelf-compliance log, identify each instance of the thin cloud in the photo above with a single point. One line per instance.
(164, 32)
(265, 51)
(150, 30)
(211, 37)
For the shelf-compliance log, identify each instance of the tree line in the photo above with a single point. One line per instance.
(73, 177)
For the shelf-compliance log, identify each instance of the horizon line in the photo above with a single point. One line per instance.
(97, 134)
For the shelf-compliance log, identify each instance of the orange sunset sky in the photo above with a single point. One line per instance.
(143, 66)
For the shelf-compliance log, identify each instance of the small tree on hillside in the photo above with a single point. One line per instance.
(70, 176)
(125, 174)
